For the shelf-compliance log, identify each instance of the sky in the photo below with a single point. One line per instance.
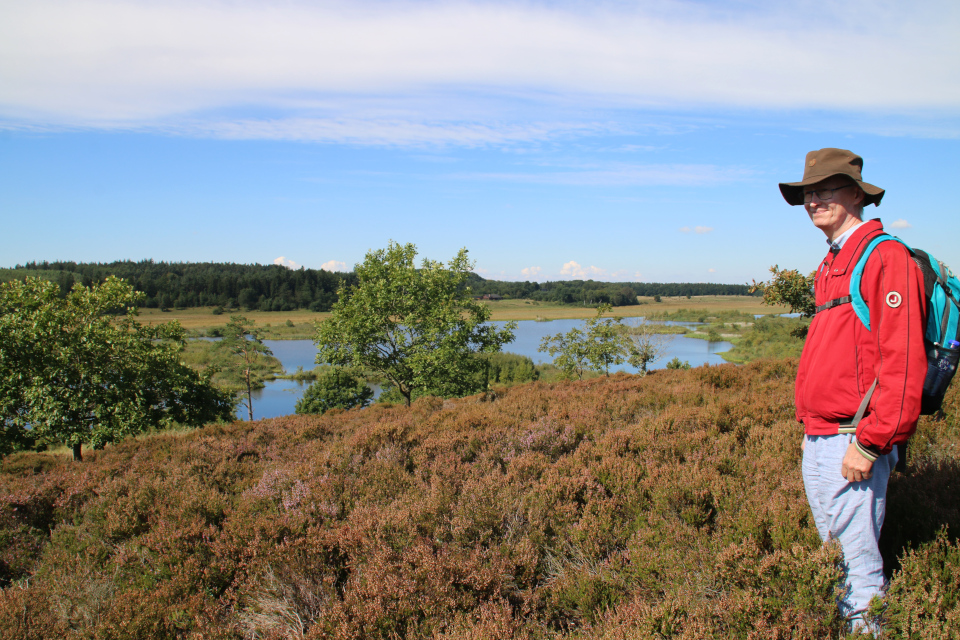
(614, 140)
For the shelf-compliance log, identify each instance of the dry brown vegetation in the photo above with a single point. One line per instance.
(666, 506)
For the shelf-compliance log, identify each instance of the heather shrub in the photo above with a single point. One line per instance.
(924, 597)
(665, 506)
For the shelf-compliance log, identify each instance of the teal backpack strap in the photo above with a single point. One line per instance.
(856, 299)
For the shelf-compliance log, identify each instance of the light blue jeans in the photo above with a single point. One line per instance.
(850, 512)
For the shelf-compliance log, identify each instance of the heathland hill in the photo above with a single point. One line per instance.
(665, 506)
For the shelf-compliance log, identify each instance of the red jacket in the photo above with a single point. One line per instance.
(842, 358)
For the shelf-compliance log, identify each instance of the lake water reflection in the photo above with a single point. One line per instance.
(279, 397)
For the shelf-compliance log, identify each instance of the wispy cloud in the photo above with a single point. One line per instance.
(530, 272)
(303, 70)
(698, 229)
(900, 224)
(286, 262)
(334, 265)
(384, 131)
(620, 174)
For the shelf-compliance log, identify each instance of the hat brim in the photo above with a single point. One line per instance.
(793, 191)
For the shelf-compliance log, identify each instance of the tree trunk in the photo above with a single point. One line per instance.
(249, 396)
(77, 455)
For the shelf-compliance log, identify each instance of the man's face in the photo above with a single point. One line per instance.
(838, 213)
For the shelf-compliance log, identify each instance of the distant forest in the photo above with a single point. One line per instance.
(169, 285)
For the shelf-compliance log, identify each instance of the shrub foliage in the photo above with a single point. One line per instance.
(665, 506)
(336, 388)
(78, 368)
(418, 328)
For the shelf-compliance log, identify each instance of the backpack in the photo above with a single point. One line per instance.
(942, 336)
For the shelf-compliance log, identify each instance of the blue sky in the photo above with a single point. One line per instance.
(554, 140)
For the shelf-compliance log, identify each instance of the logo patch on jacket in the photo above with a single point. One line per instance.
(894, 299)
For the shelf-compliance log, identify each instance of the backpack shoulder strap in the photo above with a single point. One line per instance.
(856, 299)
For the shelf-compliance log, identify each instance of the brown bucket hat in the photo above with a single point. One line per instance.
(825, 163)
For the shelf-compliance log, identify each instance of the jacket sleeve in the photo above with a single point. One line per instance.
(892, 287)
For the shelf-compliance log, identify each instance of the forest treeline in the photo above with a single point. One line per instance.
(180, 285)
(592, 292)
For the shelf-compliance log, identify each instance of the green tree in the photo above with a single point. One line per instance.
(79, 368)
(647, 345)
(607, 342)
(246, 343)
(601, 344)
(419, 328)
(569, 352)
(788, 287)
(336, 389)
(510, 368)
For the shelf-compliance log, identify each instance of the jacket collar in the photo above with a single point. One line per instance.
(854, 245)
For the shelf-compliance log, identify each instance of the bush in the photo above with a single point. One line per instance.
(335, 389)
(924, 596)
(510, 368)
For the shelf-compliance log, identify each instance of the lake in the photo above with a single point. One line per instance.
(279, 397)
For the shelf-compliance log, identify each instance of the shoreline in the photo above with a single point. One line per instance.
(299, 324)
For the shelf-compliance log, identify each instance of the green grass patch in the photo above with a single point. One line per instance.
(204, 354)
(707, 316)
(769, 337)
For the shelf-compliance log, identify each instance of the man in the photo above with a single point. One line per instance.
(846, 462)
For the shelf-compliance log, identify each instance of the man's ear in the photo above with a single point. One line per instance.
(860, 196)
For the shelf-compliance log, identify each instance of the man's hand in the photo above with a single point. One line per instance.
(855, 467)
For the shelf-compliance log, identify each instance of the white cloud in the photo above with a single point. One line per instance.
(530, 272)
(490, 275)
(286, 262)
(392, 130)
(334, 265)
(577, 272)
(900, 224)
(392, 72)
(698, 229)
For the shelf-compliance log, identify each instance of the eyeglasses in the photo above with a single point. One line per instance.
(823, 194)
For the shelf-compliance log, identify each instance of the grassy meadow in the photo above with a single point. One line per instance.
(280, 325)
(665, 506)
(533, 310)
